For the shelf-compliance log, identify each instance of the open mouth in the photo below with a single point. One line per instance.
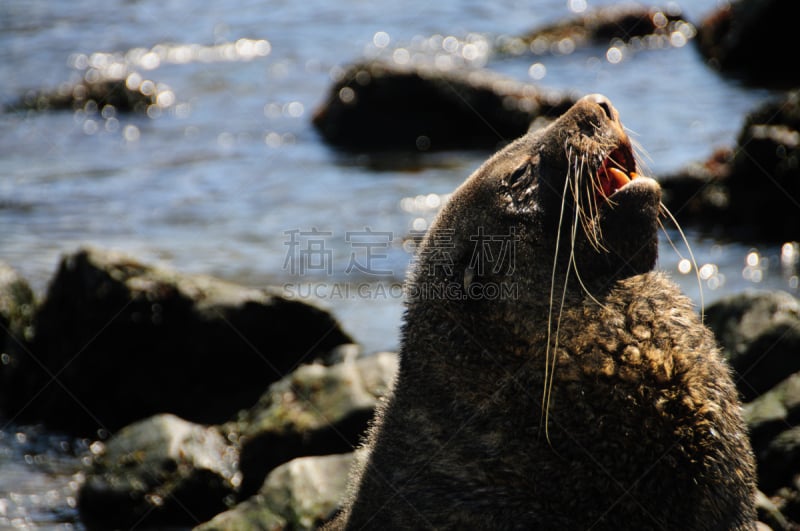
(616, 170)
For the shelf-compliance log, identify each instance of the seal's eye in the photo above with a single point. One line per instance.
(520, 187)
(521, 177)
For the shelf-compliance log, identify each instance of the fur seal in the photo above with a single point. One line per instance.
(590, 397)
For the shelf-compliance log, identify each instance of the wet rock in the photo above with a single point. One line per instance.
(343, 353)
(760, 335)
(307, 491)
(770, 515)
(116, 341)
(252, 514)
(752, 192)
(17, 304)
(298, 495)
(787, 501)
(316, 410)
(16, 297)
(121, 94)
(384, 106)
(765, 175)
(653, 27)
(779, 461)
(773, 412)
(160, 471)
(699, 195)
(751, 39)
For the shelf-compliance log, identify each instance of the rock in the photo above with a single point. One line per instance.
(760, 336)
(751, 38)
(787, 501)
(779, 461)
(116, 341)
(698, 194)
(773, 411)
(250, 515)
(753, 191)
(74, 97)
(17, 306)
(160, 471)
(97, 89)
(16, 300)
(384, 106)
(342, 353)
(316, 410)
(769, 515)
(298, 495)
(765, 175)
(307, 491)
(625, 22)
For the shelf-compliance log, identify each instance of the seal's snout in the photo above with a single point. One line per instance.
(598, 102)
(605, 104)
(595, 113)
(643, 191)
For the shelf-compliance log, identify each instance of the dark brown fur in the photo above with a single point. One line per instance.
(642, 429)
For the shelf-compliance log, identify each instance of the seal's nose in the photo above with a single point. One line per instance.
(596, 111)
(604, 103)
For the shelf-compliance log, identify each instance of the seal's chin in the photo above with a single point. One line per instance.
(629, 224)
(627, 212)
(641, 194)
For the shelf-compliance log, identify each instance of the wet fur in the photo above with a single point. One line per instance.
(594, 399)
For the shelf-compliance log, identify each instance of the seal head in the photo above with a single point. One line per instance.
(570, 193)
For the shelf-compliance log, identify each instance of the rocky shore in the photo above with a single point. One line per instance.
(115, 341)
(277, 455)
(750, 191)
(199, 394)
(219, 407)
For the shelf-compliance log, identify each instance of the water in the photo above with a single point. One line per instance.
(218, 182)
(40, 474)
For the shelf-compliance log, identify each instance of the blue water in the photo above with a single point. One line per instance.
(217, 181)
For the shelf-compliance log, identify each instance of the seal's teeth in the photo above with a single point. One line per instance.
(619, 177)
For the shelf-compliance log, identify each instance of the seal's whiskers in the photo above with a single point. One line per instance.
(592, 229)
(585, 214)
(548, 367)
(640, 154)
(592, 193)
(573, 181)
(588, 215)
(663, 208)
